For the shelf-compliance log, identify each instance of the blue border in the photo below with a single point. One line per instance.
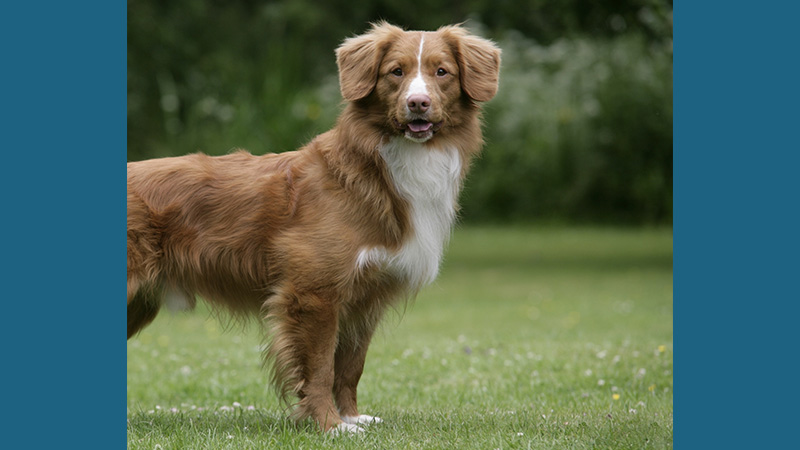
(736, 226)
(736, 157)
(63, 146)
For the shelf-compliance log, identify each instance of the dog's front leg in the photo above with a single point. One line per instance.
(304, 330)
(349, 365)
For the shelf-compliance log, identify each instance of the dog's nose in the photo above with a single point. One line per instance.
(418, 103)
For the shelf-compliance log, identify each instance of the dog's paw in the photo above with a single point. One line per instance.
(344, 429)
(363, 419)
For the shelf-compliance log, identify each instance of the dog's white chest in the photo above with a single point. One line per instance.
(429, 179)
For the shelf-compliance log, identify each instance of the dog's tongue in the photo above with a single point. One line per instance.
(419, 126)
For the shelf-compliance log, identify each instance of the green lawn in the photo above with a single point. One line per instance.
(530, 338)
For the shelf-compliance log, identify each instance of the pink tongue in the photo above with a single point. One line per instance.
(418, 126)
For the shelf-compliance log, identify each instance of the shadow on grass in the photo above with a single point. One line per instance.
(571, 249)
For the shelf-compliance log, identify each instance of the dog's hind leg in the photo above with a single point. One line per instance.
(144, 255)
(142, 309)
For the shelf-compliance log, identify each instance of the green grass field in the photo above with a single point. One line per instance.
(534, 338)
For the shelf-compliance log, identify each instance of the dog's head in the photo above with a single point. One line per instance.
(418, 83)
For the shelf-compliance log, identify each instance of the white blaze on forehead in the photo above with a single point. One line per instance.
(418, 85)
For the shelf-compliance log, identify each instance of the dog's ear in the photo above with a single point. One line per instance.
(360, 57)
(478, 63)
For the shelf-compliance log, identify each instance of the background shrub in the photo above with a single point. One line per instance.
(581, 130)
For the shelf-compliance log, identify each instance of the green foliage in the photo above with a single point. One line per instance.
(581, 129)
(531, 338)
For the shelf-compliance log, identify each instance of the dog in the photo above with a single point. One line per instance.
(318, 242)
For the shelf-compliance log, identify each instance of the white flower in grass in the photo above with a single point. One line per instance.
(237, 405)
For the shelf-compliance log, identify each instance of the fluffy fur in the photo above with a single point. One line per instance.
(318, 242)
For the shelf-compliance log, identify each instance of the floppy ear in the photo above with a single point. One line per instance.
(478, 63)
(360, 57)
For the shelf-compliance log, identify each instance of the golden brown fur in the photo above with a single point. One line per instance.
(279, 236)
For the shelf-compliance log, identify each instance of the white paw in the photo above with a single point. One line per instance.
(345, 429)
(363, 419)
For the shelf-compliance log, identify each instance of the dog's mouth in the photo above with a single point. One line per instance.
(419, 126)
(419, 130)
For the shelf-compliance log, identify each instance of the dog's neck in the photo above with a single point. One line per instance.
(422, 182)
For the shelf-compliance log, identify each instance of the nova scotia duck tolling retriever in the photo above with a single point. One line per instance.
(317, 243)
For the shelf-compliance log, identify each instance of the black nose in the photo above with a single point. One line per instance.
(418, 103)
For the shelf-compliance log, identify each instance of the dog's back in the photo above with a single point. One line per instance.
(200, 224)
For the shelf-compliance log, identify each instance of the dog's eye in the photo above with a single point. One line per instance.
(441, 72)
(397, 72)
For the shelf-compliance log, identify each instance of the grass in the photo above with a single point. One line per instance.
(530, 338)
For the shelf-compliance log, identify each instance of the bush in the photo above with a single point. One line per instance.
(581, 130)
